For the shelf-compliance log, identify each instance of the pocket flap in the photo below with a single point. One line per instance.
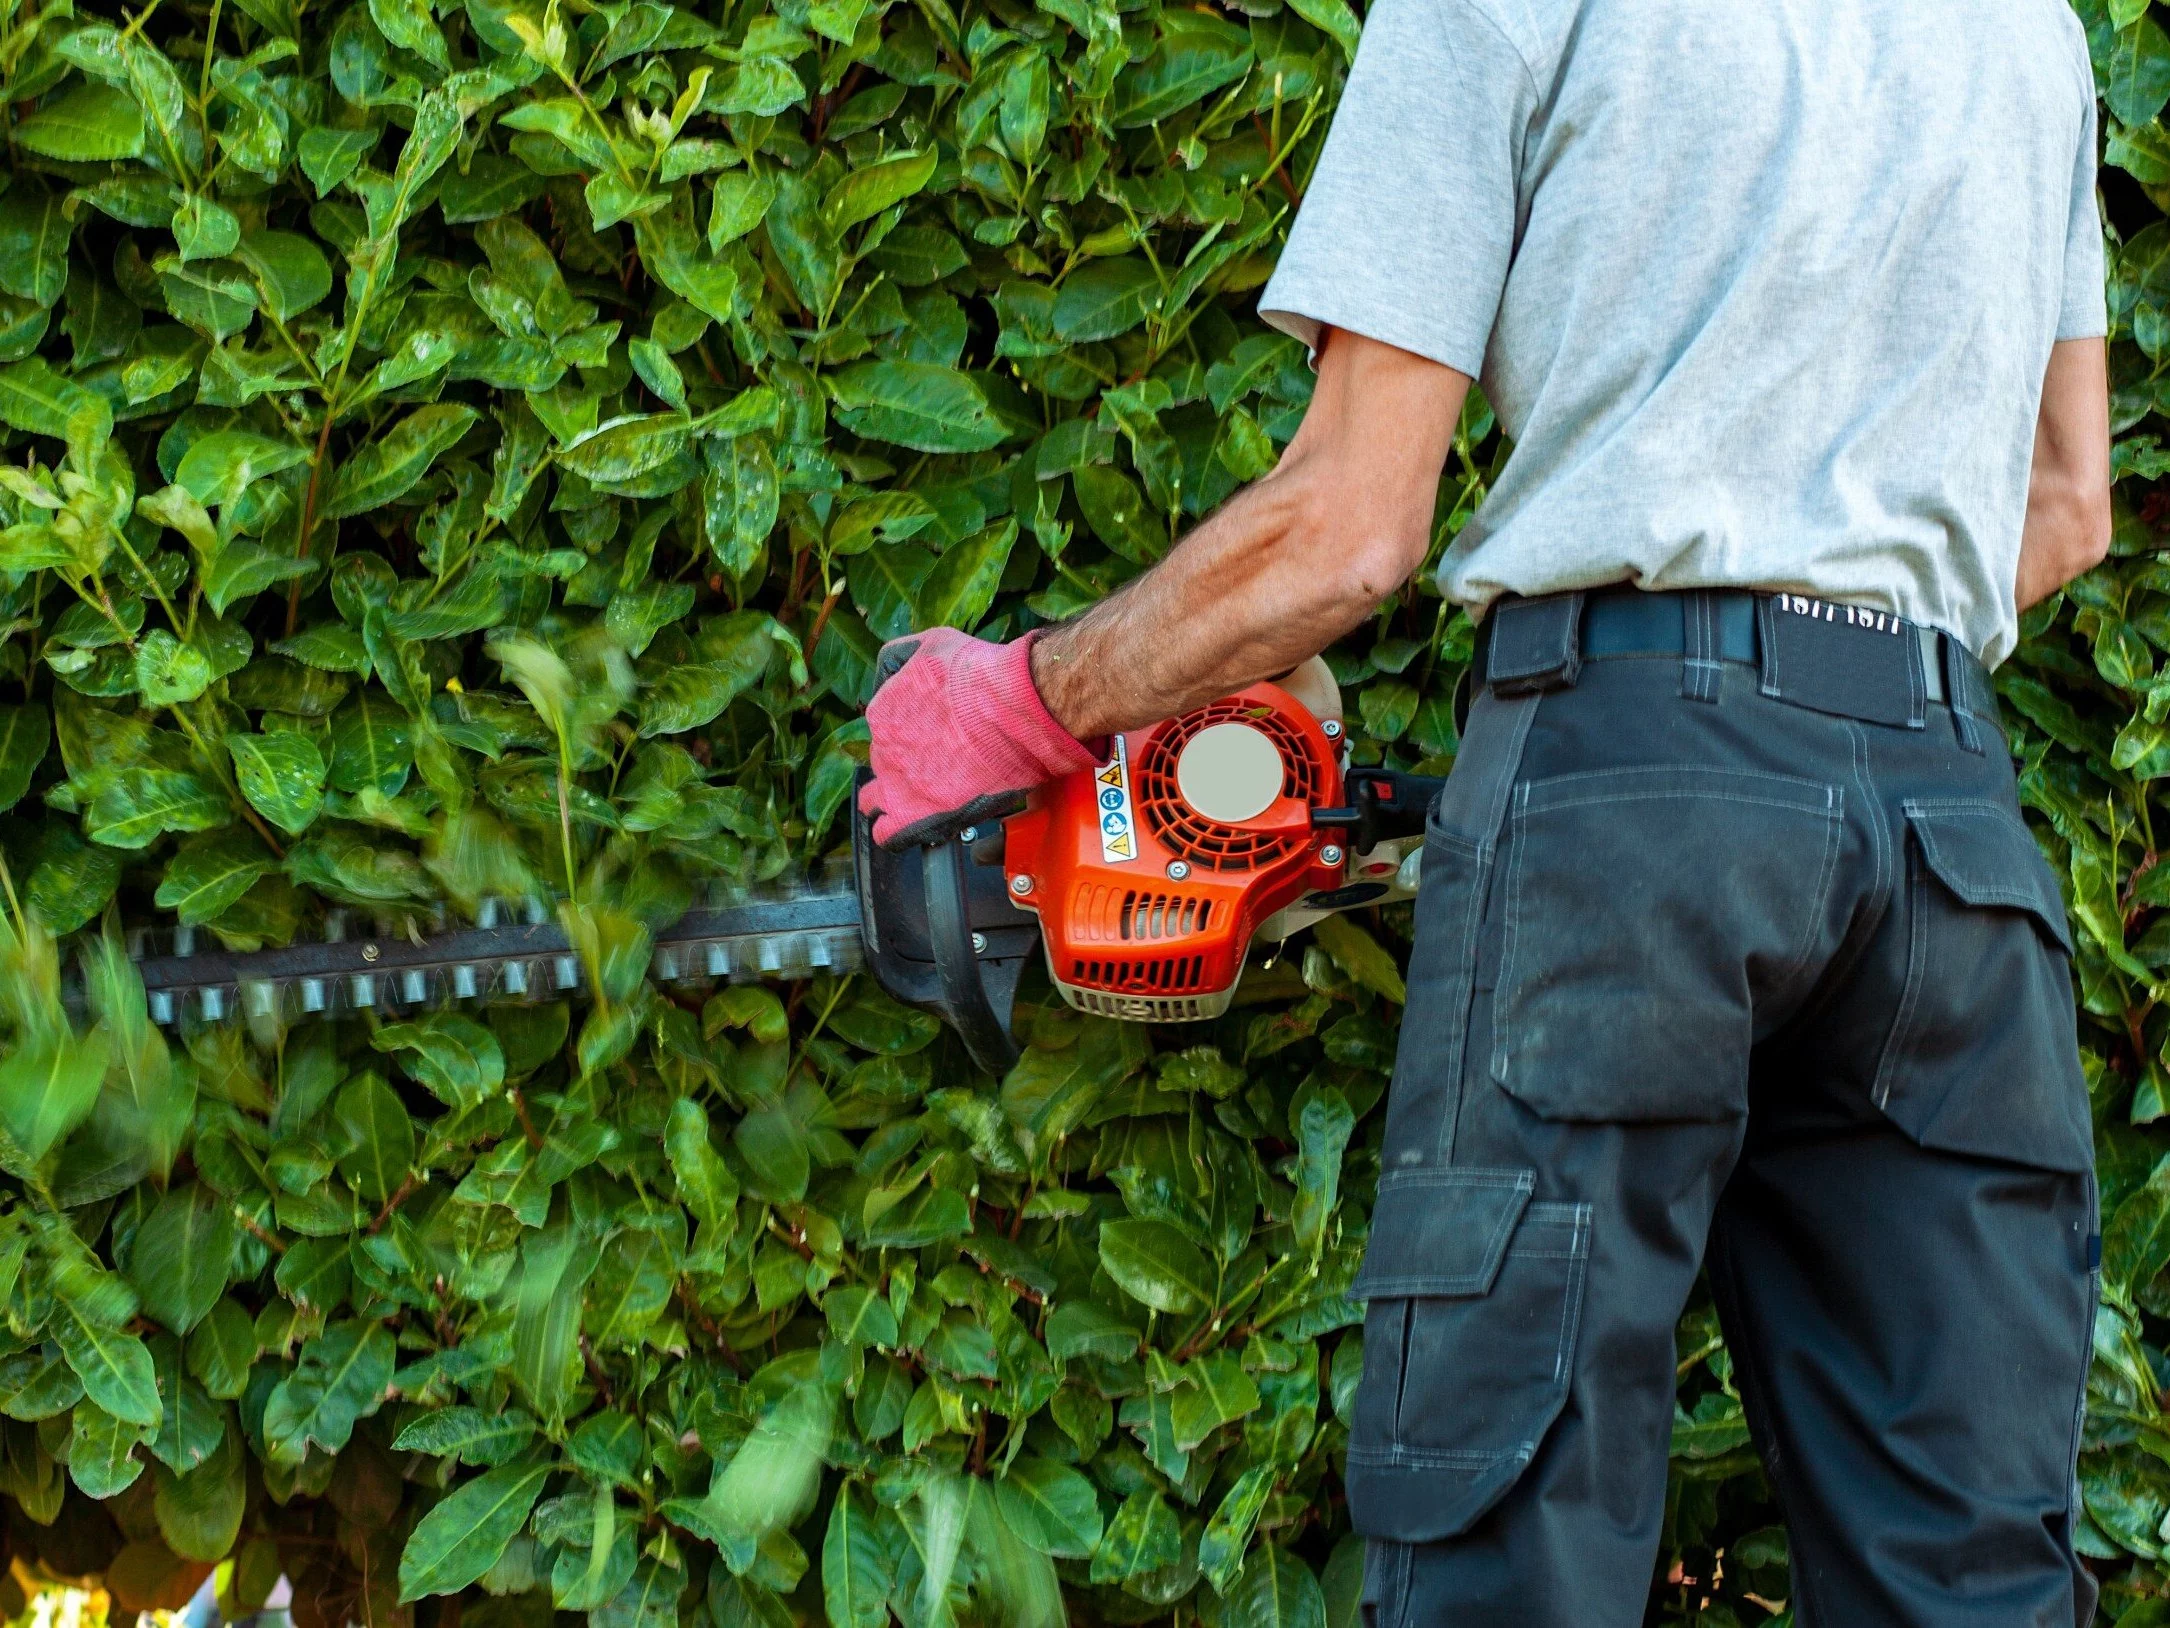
(1440, 1232)
(1987, 857)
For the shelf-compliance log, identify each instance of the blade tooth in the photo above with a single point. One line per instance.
(465, 985)
(335, 927)
(768, 955)
(314, 997)
(184, 939)
(212, 1004)
(162, 1012)
(538, 912)
(486, 912)
(260, 998)
(516, 977)
(566, 970)
(362, 990)
(719, 960)
(414, 987)
(668, 969)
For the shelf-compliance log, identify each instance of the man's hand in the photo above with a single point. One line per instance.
(2068, 489)
(1286, 566)
(958, 736)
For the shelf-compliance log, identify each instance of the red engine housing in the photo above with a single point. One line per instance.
(1148, 906)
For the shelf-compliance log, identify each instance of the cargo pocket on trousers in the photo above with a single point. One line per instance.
(1656, 919)
(1475, 1297)
(1983, 1056)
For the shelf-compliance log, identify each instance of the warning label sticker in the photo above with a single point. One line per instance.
(1118, 826)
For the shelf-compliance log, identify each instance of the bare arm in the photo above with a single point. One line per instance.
(1287, 566)
(2068, 490)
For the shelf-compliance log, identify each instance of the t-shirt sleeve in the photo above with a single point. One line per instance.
(1408, 224)
(2084, 314)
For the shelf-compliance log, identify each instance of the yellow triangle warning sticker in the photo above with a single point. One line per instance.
(1118, 839)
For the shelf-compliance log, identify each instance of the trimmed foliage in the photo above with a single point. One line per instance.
(476, 451)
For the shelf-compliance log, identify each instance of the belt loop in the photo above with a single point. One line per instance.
(1959, 692)
(1767, 647)
(1699, 667)
(1917, 683)
(1536, 645)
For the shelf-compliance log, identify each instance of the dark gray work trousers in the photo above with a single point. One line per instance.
(1752, 964)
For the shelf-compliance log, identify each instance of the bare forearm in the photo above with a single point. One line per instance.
(2066, 535)
(1287, 567)
(1246, 596)
(2067, 529)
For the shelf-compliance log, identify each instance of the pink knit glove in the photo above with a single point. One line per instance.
(959, 735)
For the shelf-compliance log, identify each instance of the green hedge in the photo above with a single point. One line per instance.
(477, 452)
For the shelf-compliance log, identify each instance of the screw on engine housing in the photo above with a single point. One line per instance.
(1332, 728)
(979, 943)
(1177, 870)
(969, 834)
(1330, 855)
(1020, 885)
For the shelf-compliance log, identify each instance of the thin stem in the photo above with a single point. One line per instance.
(203, 85)
(316, 476)
(565, 817)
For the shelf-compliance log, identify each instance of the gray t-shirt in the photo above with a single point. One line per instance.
(1762, 293)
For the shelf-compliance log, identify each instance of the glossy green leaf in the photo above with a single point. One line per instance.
(1051, 1507)
(468, 1434)
(1156, 1265)
(386, 469)
(339, 1381)
(378, 1135)
(1103, 298)
(463, 1536)
(1276, 1590)
(916, 405)
(114, 1367)
(101, 1451)
(87, 124)
(34, 235)
(184, 1256)
(282, 776)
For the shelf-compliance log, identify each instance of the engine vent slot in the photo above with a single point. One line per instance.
(1190, 835)
(1110, 915)
(1157, 975)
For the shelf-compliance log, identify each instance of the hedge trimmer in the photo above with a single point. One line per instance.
(1144, 881)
